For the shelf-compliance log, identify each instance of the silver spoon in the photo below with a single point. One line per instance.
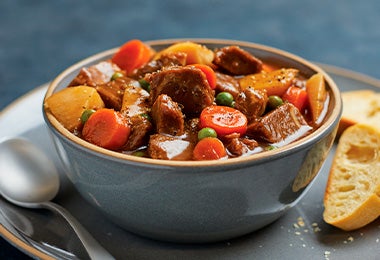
(29, 179)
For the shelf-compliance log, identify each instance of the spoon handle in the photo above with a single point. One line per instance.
(94, 249)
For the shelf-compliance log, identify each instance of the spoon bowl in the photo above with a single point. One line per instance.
(29, 179)
(20, 160)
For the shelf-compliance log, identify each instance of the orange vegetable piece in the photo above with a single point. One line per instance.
(315, 87)
(132, 55)
(106, 128)
(209, 148)
(209, 72)
(274, 82)
(224, 120)
(296, 96)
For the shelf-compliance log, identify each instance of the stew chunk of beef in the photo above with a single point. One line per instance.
(165, 60)
(169, 147)
(167, 116)
(139, 136)
(237, 61)
(237, 145)
(112, 92)
(187, 86)
(284, 124)
(227, 83)
(97, 74)
(251, 102)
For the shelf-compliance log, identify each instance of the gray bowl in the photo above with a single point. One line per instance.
(196, 201)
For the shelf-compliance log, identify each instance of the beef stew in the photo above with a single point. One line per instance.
(163, 94)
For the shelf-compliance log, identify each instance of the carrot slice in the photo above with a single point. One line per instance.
(224, 120)
(209, 148)
(106, 128)
(132, 55)
(296, 96)
(209, 72)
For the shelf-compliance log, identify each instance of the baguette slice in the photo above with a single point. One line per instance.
(352, 196)
(360, 106)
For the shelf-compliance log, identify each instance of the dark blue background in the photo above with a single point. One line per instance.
(40, 38)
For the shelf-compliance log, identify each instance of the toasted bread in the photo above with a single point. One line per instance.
(360, 106)
(352, 196)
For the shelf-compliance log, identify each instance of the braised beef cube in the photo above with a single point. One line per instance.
(167, 116)
(165, 60)
(238, 146)
(284, 124)
(97, 74)
(168, 147)
(251, 102)
(187, 86)
(227, 83)
(135, 101)
(139, 136)
(112, 92)
(237, 61)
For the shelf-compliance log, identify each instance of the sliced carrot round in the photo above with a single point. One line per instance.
(224, 120)
(209, 72)
(106, 128)
(132, 55)
(209, 148)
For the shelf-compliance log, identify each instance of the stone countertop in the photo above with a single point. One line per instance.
(40, 38)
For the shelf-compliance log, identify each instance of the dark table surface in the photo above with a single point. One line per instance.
(40, 38)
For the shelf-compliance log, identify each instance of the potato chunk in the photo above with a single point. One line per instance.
(67, 105)
(275, 82)
(135, 101)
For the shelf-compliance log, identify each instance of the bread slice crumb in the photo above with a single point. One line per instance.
(352, 196)
(360, 106)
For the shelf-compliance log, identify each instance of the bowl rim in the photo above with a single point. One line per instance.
(292, 147)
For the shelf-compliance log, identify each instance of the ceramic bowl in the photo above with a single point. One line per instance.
(196, 201)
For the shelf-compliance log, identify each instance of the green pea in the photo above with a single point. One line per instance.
(206, 132)
(116, 75)
(146, 115)
(275, 101)
(86, 115)
(271, 147)
(144, 84)
(139, 153)
(225, 99)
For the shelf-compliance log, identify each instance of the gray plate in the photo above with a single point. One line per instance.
(301, 232)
